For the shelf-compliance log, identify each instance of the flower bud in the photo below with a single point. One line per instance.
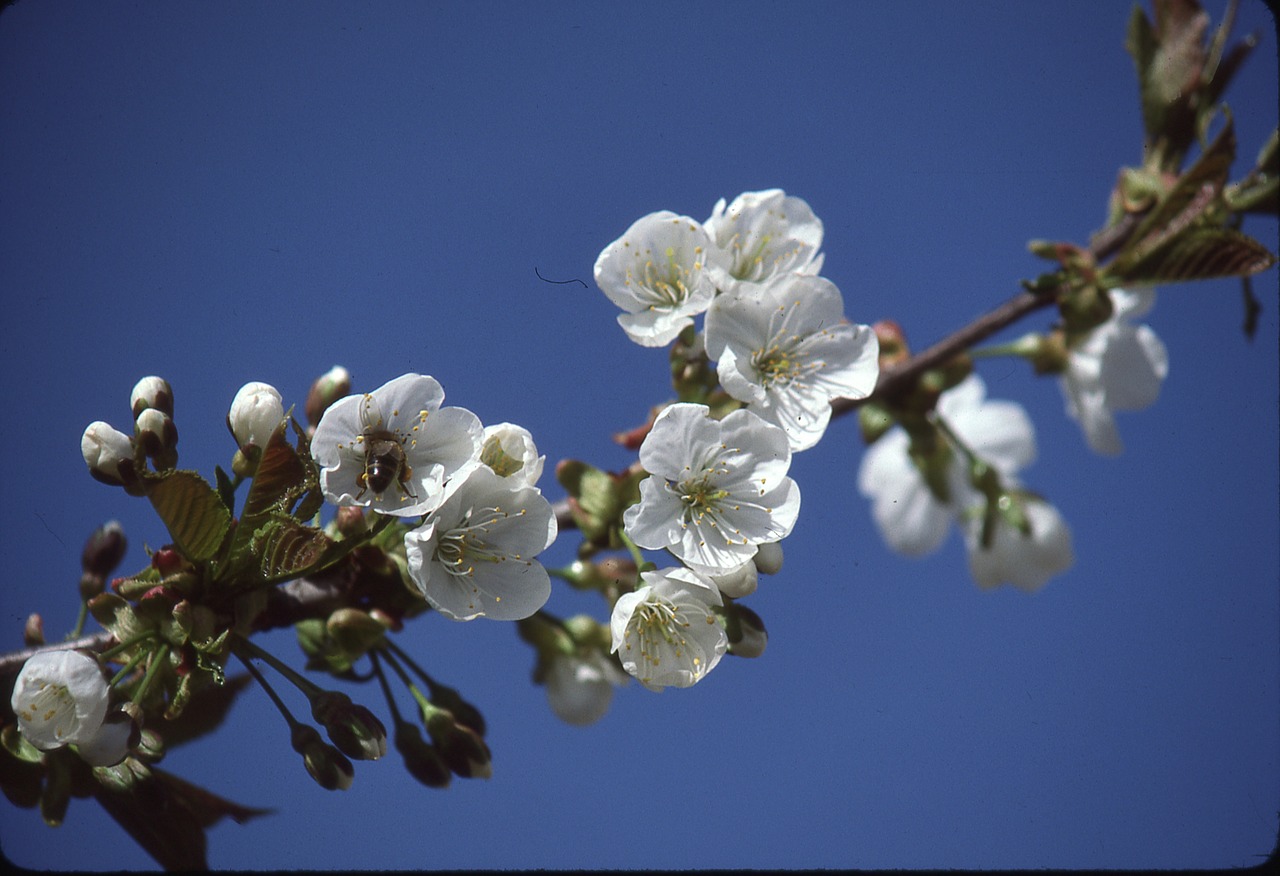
(742, 581)
(104, 550)
(33, 632)
(327, 389)
(256, 411)
(460, 747)
(354, 631)
(109, 454)
(158, 437)
(747, 635)
(328, 766)
(355, 730)
(151, 392)
(892, 343)
(420, 757)
(768, 558)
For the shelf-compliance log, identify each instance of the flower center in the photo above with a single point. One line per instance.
(459, 549)
(52, 707)
(671, 290)
(658, 624)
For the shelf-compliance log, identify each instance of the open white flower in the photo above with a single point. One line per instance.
(1118, 367)
(395, 448)
(786, 350)
(911, 518)
(716, 489)
(666, 632)
(764, 235)
(509, 450)
(1025, 560)
(60, 698)
(474, 555)
(658, 272)
(580, 686)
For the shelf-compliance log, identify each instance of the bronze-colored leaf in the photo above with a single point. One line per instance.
(192, 511)
(1200, 255)
(286, 548)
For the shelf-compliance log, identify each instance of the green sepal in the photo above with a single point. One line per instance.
(56, 793)
(117, 617)
(593, 501)
(15, 743)
(226, 489)
(192, 511)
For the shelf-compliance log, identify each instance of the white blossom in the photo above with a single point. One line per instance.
(256, 411)
(1118, 367)
(394, 449)
(509, 450)
(764, 235)
(666, 632)
(580, 686)
(1025, 560)
(658, 272)
(716, 489)
(786, 350)
(60, 698)
(911, 518)
(474, 555)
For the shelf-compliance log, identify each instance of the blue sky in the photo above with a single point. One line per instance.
(219, 193)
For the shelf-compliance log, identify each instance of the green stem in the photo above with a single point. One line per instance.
(642, 565)
(257, 676)
(158, 657)
(299, 681)
(126, 645)
(83, 616)
(128, 667)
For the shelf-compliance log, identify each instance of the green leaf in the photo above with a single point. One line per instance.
(226, 489)
(116, 616)
(1199, 254)
(192, 511)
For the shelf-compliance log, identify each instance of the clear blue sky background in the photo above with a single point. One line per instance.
(227, 192)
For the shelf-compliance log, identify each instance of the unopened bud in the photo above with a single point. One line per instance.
(747, 635)
(158, 436)
(768, 558)
(327, 389)
(742, 581)
(874, 419)
(420, 757)
(461, 747)
(151, 392)
(256, 411)
(33, 632)
(892, 341)
(328, 766)
(350, 521)
(104, 550)
(354, 631)
(109, 454)
(355, 730)
(463, 712)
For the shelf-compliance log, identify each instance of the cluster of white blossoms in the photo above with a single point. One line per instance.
(397, 451)
(61, 698)
(914, 519)
(717, 490)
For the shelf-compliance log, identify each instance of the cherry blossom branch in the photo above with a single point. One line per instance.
(317, 596)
